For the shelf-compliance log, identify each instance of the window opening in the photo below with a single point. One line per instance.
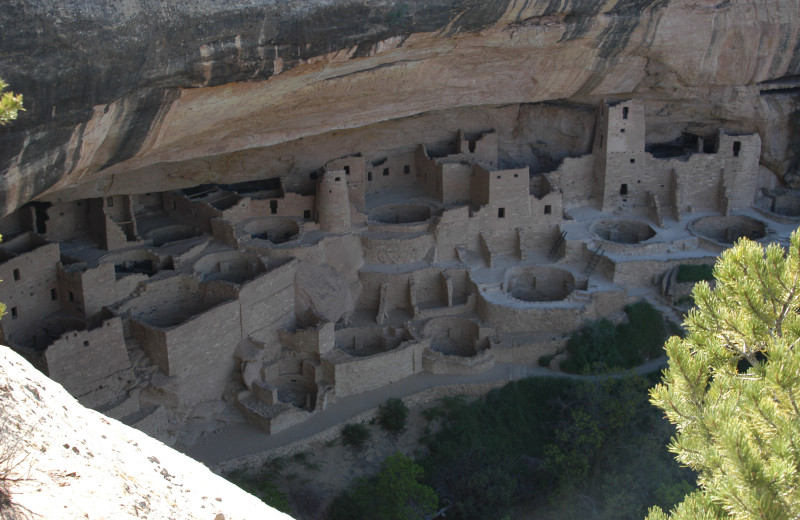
(347, 170)
(110, 202)
(622, 130)
(548, 209)
(737, 146)
(369, 176)
(623, 189)
(338, 179)
(273, 207)
(501, 212)
(71, 296)
(386, 172)
(633, 161)
(14, 313)
(406, 169)
(85, 343)
(624, 112)
(53, 294)
(307, 214)
(16, 274)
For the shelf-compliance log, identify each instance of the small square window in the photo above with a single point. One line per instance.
(307, 214)
(338, 179)
(85, 343)
(622, 130)
(312, 175)
(16, 274)
(498, 176)
(633, 161)
(548, 209)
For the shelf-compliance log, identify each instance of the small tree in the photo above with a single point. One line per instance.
(355, 434)
(392, 415)
(733, 388)
(395, 493)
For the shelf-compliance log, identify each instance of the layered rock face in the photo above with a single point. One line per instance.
(132, 97)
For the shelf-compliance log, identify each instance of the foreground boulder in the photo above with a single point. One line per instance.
(60, 460)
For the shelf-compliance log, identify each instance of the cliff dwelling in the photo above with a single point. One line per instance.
(278, 296)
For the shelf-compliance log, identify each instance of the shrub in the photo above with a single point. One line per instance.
(544, 361)
(395, 493)
(392, 415)
(355, 434)
(695, 273)
(263, 487)
(600, 346)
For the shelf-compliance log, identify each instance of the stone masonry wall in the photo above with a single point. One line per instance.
(29, 288)
(80, 359)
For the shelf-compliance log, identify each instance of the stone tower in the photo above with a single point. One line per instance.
(333, 203)
(619, 153)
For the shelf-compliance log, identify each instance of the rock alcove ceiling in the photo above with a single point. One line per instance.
(125, 96)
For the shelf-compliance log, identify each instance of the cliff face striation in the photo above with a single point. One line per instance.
(128, 97)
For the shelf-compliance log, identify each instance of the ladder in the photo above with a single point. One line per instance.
(593, 261)
(554, 250)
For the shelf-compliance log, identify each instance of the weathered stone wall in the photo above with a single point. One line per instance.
(81, 360)
(381, 249)
(200, 352)
(30, 285)
(267, 303)
(353, 375)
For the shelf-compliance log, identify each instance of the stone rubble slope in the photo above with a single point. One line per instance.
(73, 462)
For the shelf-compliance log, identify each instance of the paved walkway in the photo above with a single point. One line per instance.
(240, 439)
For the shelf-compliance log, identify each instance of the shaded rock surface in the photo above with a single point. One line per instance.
(76, 463)
(129, 96)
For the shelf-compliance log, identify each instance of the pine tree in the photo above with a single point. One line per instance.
(733, 388)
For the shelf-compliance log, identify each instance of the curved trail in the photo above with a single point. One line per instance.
(240, 439)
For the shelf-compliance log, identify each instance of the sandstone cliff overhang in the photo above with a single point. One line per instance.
(124, 95)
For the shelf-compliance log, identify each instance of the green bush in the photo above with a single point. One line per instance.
(262, 487)
(695, 273)
(600, 346)
(544, 361)
(392, 415)
(395, 493)
(539, 443)
(355, 434)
